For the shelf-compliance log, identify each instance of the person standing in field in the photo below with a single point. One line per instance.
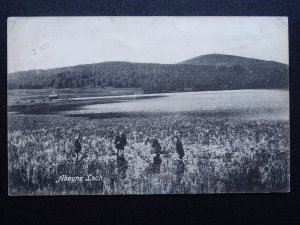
(77, 146)
(120, 143)
(156, 162)
(155, 146)
(156, 149)
(179, 148)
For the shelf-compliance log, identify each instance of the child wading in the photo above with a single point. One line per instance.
(120, 143)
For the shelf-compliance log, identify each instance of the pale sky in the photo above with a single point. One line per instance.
(51, 42)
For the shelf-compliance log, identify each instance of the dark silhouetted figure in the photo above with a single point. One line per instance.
(156, 149)
(120, 143)
(179, 148)
(155, 146)
(156, 159)
(77, 146)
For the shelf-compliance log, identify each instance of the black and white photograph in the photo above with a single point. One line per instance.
(134, 105)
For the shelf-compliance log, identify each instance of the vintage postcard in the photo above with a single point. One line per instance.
(148, 105)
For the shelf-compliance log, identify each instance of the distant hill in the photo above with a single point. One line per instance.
(230, 61)
(209, 72)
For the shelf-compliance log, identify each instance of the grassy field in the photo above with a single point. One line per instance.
(222, 155)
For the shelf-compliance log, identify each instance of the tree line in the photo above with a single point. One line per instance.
(153, 78)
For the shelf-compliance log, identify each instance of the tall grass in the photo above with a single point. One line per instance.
(221, 155)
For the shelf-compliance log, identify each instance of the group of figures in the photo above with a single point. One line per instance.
(120, 141)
